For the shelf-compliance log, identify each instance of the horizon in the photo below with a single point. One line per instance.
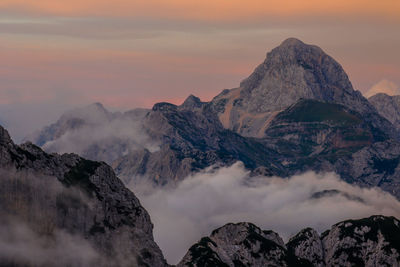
(58, 56)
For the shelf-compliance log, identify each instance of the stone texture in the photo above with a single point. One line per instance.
(372, 241)
(388, 107)
(292, 71)
(88, 201)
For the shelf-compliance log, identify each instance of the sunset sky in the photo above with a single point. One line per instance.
(58, 54)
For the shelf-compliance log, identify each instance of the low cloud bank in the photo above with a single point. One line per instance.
(212, 198)
(20, 244)
(95, 133)
(105, 141)
(30, 208)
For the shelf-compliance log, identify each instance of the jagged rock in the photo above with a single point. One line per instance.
(292, 71)
(307, 245)
(192, 103)
(373, 241)
(388, 107)
(242, 244)
(79, 197)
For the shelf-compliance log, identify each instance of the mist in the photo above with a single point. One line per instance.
(95, 133)
(20, 244)
(30, 233)
(214, 197)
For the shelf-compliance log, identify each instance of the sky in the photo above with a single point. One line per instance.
(57, 54)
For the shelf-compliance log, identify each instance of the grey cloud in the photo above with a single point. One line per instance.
(97, 134)
(213, 198)
(20, 244)
(29, 235)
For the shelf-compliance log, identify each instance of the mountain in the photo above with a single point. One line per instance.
(296, 112)
(291, 71)
(64, 210)
(95, 133)
(68, 211)
(388, 107)
(373, 241)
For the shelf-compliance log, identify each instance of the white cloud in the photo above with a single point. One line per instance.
(212, 198)
(383, 86)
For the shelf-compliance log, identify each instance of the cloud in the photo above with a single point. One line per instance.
(20, 244)
(103, 135)
(29, 223)
(383, 86)
(212, 198)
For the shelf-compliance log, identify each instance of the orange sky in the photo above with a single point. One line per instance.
(58, 54)
(203, 9)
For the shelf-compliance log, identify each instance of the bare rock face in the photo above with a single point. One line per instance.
(373, 241)
(53, 196)
(388, 107)
(377, 165)
(308, 245)
(292, 71)
(242, 244)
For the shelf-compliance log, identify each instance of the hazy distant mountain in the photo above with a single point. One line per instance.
(95, 133)
(373, 241)
(296, 112)
(68, 211)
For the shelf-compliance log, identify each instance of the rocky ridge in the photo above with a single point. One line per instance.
(53, 194)
(292, 71)
(268, 123)
(372, 241)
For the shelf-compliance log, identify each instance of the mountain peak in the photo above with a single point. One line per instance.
(191, 102)
(292, 42)
(292, 71)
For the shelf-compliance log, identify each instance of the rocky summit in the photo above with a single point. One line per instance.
(290, 72)
(296, 112)
(371, 241)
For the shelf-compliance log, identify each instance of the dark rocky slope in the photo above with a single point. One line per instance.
(374, 241)
(53, 196)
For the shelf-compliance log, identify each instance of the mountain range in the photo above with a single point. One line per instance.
(69, 211)
(296, 112)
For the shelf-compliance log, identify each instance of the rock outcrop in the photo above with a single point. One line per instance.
(53, 195)
(388, 107)
(373, 241)
(291, 71)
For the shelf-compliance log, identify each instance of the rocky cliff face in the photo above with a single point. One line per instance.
(292, 71)
(388, 107)
(372, 241)
(52, 196)
(242, 244)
